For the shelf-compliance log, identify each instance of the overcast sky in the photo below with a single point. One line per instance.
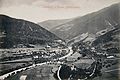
(41, 10)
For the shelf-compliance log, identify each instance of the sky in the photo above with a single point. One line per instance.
(41, 10)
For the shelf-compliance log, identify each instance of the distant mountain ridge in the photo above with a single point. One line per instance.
(91, 23)
(17, 31)
(50, 24)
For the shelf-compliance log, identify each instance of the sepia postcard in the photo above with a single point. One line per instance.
(59, 39)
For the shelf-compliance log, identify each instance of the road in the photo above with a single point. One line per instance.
(69, 54)
(34, 65)
(58, 73)
(113, 70)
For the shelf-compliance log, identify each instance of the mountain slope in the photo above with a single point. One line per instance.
(17, 31)
(90, 23)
